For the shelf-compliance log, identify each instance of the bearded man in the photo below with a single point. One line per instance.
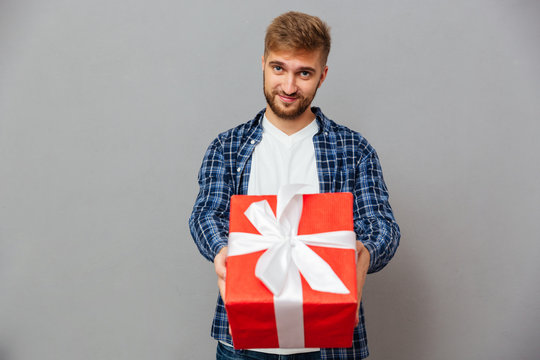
(290, 142)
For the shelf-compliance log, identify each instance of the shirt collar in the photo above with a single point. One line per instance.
(322, 120)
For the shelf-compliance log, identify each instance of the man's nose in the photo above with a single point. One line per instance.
(289, 86)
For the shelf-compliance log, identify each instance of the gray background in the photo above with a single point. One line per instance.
(107, 107)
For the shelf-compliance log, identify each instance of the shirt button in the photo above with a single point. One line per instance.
(238, 169)
(326, 133)
(252, 142)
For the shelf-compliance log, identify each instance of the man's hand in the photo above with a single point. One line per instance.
(362, 266)
(221, 270)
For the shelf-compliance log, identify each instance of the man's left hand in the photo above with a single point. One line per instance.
(362, 266)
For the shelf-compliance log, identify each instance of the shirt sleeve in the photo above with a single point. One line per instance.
(209, 220)
(374, 224)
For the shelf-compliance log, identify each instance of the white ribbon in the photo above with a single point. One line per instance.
(286, 256)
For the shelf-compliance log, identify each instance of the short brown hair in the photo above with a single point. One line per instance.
(298, 31)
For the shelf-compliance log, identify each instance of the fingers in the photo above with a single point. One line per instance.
(221, 270)
(220, 262)
(359, 300)
(362, 266)
(221, 286)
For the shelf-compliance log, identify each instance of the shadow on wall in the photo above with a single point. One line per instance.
(3, 354)
(401, 308)
(398, 307)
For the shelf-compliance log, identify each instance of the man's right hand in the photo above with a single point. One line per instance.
(221, 270)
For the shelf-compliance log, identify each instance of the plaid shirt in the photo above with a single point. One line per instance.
(346, 162)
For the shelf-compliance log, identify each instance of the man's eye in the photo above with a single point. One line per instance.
(305, 73)
(277, 68)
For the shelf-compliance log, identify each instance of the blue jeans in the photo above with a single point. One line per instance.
(225, 352)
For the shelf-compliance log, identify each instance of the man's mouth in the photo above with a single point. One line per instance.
(287, 99)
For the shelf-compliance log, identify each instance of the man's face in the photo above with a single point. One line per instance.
(291, 80)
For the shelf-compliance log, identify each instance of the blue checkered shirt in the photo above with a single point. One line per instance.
(346, 162)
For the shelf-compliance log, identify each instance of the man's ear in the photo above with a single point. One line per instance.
(323, 75)
(262, 60)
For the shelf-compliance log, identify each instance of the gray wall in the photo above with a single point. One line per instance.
(106, 108)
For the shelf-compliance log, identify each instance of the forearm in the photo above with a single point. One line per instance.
(375, 225)
(209, 220)
(209, 235)
(381, 239)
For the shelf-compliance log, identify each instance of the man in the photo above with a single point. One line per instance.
(290, 142)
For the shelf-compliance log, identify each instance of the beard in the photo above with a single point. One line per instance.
(284, 110)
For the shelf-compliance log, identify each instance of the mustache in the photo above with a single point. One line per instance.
(295, 94)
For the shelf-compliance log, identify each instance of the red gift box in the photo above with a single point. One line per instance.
(327, 319)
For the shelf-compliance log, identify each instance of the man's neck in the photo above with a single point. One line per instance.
(290, 126)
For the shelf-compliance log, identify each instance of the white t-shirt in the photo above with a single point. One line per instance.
(281, 159)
